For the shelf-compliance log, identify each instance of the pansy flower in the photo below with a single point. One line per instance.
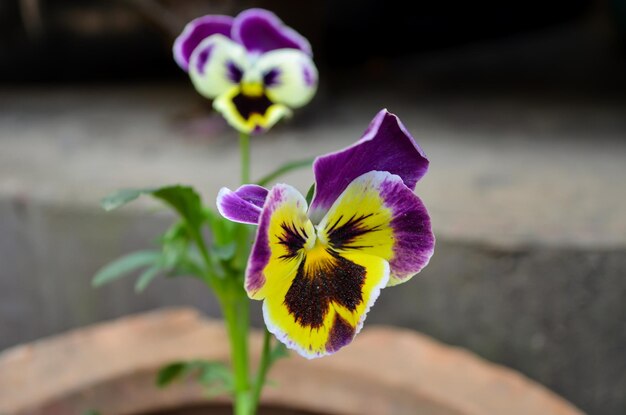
(319, 268)
(253, 66)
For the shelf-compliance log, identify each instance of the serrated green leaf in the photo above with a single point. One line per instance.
(124, 265)
(284, 169)
(122, 197)
(170, 373)
(146, 278)
(310, 193)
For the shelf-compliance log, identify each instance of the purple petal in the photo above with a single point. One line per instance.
(243, 205)
(260, 31)
(385, 146)
(414, 242)
(195, 32)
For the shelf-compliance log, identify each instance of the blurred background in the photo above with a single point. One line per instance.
(520, 106)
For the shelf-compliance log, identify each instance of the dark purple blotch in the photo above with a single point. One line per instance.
(234, 72)
(341, 333)
(317, 285)
(247, 105)
(271, 77)
(308, 75)
(203, 57)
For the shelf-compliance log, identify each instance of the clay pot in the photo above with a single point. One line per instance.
(111, 368)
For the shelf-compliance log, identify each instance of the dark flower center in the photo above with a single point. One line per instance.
(248, 105)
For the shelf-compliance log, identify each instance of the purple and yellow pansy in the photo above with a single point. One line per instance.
(253, 66)
(319, 268)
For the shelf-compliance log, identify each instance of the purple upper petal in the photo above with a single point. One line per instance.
(243, 205)
(385, 146)
(195, 32)
(260, 31)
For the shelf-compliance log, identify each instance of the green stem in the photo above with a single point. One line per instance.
(208, 277)
(235, 306)
(244, 149)
(236, 314)
(264, 366)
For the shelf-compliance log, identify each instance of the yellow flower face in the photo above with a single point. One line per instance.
(319, 281)
(318, 269)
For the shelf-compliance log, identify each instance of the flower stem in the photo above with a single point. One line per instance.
(264, 366)
(235, 306)
(236, 313)
(244, 150)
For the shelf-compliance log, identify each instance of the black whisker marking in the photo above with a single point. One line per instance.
(341, 237)
(292, 239)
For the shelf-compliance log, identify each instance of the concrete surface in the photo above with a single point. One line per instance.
(526, 197)
(514, 171)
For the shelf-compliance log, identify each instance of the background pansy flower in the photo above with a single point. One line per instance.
(253, 66)
(319, 268)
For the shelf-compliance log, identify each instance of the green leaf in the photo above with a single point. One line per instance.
(188, 265)
(146, 278)
(310, 193)
(211, 372)
(225, 252)
(279, 351)
(122, 197)
(285, 168)
(221, 228)
(216, 390)
(230, 242)
(170, 373)
(183, 199)
(124, 266)
(216, 377)
(174, 245)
